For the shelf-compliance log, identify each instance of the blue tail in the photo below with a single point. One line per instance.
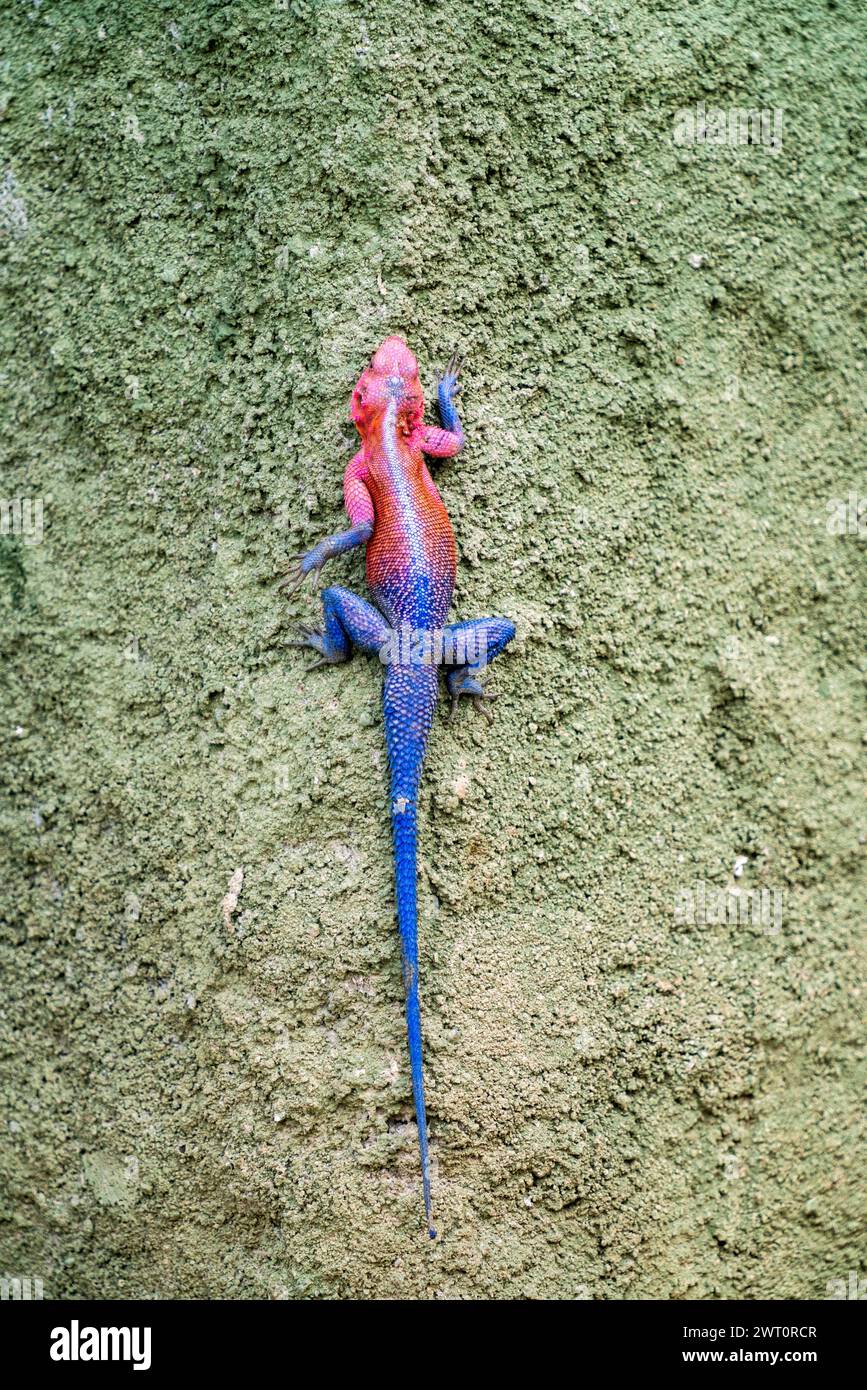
(409, 700)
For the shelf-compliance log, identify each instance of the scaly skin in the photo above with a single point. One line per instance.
(396, 510)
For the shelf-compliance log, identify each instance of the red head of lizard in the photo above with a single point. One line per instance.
(391, 376)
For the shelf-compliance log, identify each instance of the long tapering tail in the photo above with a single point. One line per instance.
(408, 702)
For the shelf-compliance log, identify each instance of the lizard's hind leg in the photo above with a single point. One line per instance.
(467, 649)
(350, 621)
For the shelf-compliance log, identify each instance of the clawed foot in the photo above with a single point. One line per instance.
(478, 705)
(314, 640)
(448, 383)
(467, 685)
(300, 570)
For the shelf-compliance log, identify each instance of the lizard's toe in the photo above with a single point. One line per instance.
(293, 578)
(308, 637)
(312, 639)
(464, 684)
(449, 378)
(304, 639)
(481, 708)
(299, 571)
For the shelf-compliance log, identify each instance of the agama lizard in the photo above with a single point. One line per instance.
(396, 511)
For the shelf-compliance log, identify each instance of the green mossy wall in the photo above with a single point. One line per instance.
(210, 216)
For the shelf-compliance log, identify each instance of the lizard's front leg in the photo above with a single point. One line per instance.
(359, 505)
(467, 649)
(448, 441)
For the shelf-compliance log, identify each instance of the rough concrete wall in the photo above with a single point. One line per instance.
(211, 215)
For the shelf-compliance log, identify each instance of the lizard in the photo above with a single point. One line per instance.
(397, 513)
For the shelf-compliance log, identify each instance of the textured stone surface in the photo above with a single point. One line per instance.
(209, 218)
